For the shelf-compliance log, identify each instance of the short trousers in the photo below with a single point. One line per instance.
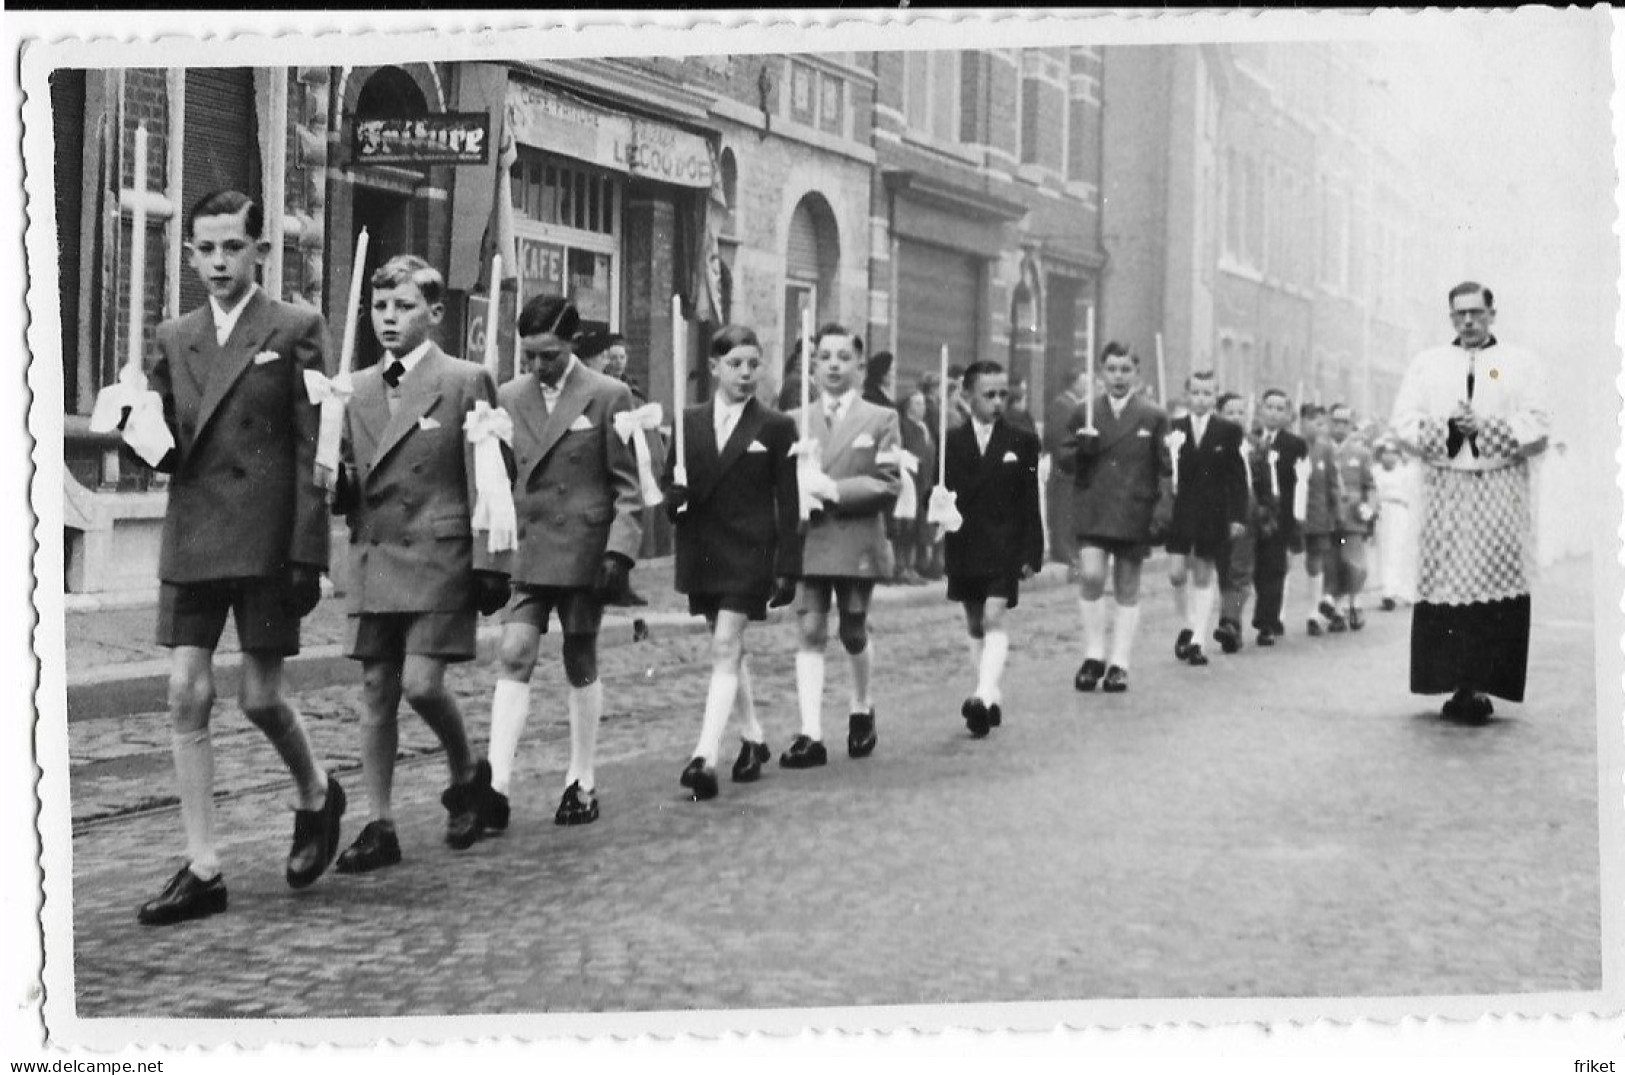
(851, 594)
(194, 614)
(1123, 550)
(1178, 545)
(393, 636)
(709, 604)
(580, 610)
(964, 589)
(1319, 544)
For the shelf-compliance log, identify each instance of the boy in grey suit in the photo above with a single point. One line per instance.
(579, 509)
(418, 572)
(245, 533)
(845, 550)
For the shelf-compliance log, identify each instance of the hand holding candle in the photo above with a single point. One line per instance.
(1089, 367)
(333, 395)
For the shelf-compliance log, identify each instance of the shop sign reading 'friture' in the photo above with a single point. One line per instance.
(560, 123)
(446, 138)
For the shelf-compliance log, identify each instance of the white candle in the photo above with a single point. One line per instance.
(679, 375)
(138, 253)
(493, 359)
(806, 369)
(1089, 365)
(358, 273)
(942, 423)
(1162, 376)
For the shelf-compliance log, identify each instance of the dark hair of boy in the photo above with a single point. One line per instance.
(835, 328)
(411, 269)
(228, 203)
(552, 314)
(729, 337)
(979, 369)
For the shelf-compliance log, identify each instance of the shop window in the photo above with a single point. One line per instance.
(803, 108)
(831, 103)
(567, 195)
(817, 99)
(931, 93)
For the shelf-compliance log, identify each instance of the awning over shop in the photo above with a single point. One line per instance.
(559, 122)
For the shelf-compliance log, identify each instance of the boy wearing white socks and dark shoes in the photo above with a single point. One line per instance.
(992, 471)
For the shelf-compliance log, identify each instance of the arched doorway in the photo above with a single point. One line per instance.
(812, 253)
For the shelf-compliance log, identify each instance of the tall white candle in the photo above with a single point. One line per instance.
(138, 253)
(1162, 376)
(493, 357)
(358, 272)
(942, 422)
(1089, 365)
(679, 375)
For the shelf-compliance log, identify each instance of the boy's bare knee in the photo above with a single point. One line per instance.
(854, 632)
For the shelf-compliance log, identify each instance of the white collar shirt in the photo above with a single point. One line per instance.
(984, 433)
(836, 407)
(1199, 427)
(551, 393)
(1117, 405)
(724, 417)
(226, 320)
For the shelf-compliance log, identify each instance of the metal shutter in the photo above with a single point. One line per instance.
(939, 302)
(801, 259)
(222, 146)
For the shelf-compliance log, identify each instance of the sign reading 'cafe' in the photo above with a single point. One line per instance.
(446, 138)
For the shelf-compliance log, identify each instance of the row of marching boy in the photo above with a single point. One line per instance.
(465, 499)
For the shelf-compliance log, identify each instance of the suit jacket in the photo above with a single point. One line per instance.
(1118, 477)
(997, 494)
(741, 528)
(1058, 426)
(409, 481)
(243, 498)
(1289, 448)
(848, 539)
(576, 491)
(1212, 482)
(1325, 500)
(1358, 485)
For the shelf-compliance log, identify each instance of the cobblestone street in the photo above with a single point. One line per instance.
(1290, 823)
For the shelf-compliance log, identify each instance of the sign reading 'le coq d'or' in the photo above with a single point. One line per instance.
(561, 123)
(446, 138)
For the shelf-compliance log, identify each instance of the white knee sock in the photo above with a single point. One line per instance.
(810, 692)
(1127, 620)
(745, 706)
(1315, 588)
(1202, 610)
(510, 708)
(1182, 604)
(586, 706)
(194, 775)
(1094, 627)
(862, 663)
(719, 703)
(995, 647)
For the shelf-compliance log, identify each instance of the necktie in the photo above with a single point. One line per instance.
(394, 372)
(833, 413)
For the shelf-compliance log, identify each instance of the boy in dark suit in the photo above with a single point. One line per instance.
(1282, 450)
(1236, 564)
(1323, 505)
(845, 550)
(418, 575)
(733, 499)
(1120, 468)
(579, 506)
(245, 533)
(992, 469)
(1210, 508)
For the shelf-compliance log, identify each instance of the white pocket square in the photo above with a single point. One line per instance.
(581, 425)
(1010, 457)
(756, 446)
(863, 440)
(427, 423)
(265, 356)
(1142, 432)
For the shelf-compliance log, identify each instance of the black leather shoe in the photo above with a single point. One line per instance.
(187, 896)
(1196, 657)
(578, 806)
(995, 715)
(1389, 604)
(748, 766)
(861, 738)
(804, 753)
(1089, 674)
(1228, 636)
(1116, 680)
(465, 807)
(496, 812)
(1182, 644)
(1266, 638)
(1337, 626)
(315, 838)
(375, 848)
(1467, 707)
(699, 778)
(1278, 629)
(1314, 629)
(1356, 619)
(974, 710)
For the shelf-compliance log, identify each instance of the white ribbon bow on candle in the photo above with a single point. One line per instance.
(1175, 441)
(641, 420)
(332, 395)
(488, 428)
(908, 497)
(943, 509)
(145, 431)
(1275, 473)
(812, 484)
(1300, 495)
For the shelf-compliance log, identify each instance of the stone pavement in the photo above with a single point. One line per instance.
(1290, 823)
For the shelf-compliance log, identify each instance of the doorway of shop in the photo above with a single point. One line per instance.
(387, 216)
